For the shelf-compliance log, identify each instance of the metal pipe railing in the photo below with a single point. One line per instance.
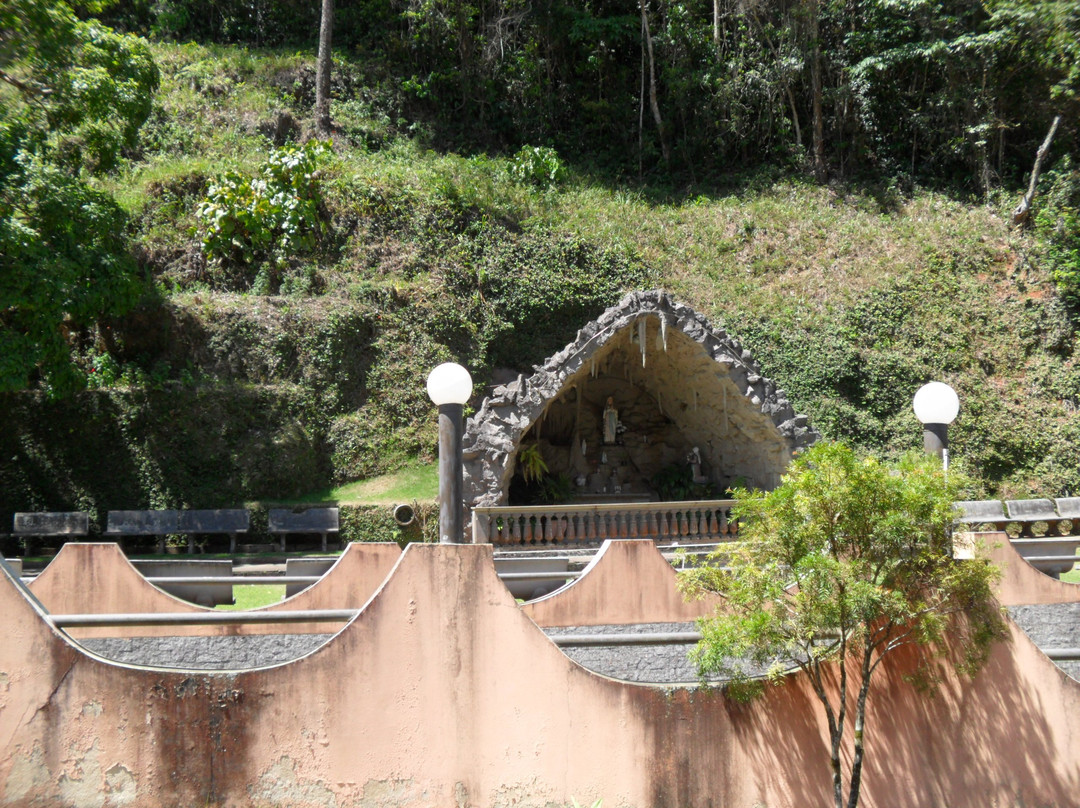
(234, 579)
(658, 638)
(209, 618)
(1062, 654)
(531, 576)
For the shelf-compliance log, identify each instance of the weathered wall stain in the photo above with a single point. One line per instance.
(441, 692)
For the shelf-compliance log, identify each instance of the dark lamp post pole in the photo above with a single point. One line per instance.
(449, 386)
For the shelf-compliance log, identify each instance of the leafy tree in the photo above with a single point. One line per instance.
(80, 88)
(845, 562)
(73, 95)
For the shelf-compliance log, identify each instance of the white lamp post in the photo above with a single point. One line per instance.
(936, 406)
(449, 386)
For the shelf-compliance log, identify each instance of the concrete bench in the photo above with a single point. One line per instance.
(231, 521)
(46, 524)
(1027, 512)
(1048, 554)
(305, 566)
(984, 511)
(322, 521)
(532, 588)
(1069, 508)
(141, 523)
(203, 593)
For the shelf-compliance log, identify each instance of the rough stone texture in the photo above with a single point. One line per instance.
(648, 664)
(1052, 625)
(676, 382)
(207, 653)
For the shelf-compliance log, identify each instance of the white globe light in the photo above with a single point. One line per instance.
(449, 383)
(936, 403)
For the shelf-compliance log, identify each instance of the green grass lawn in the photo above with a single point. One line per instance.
(255, 595)
(413, 483)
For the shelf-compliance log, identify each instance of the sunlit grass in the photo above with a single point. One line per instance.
(412, 483)
(254, 596)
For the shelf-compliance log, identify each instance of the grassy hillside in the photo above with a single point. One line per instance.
(266, 377)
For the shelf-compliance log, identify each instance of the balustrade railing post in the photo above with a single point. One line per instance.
(696, 521)
(481, 524)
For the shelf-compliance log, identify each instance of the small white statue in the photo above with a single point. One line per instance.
(611, 421)
(694, 459)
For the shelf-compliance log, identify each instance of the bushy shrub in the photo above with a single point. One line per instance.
(538, 165)
(1058, 222)
(245, 221)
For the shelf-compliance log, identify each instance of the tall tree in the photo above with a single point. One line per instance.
(844, 563)
(654, 104)
(323, 67)
(817, 114)
(81, 92)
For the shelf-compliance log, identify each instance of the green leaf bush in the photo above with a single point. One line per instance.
(538, 165)
(245, 222)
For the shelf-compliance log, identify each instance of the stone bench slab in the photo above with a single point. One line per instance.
(227, 520)
(141, 523)
(63, 523)
(313, 520)
(1068, 507)
(984, 510)
(1032, 510)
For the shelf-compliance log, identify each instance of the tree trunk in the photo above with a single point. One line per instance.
(653, 103)
(322, 69)
(815, 85)
(641, 114)
(716, 22)
(1023, 210)
(860, 725)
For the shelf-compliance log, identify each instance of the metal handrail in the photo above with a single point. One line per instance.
(234, 579)
(1062, 654)
(656, 638)
(208, 618)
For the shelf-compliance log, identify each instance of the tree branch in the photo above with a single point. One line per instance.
(1022, 212)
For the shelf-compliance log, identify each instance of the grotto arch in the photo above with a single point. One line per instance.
(676, 384)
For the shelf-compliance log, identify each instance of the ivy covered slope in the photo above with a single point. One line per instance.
(295, 290)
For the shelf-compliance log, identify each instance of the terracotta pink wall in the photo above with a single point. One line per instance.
(1021, 583)
(626, 582)
(443, 693)
(97, 578)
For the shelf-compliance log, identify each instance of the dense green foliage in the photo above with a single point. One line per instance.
(1058, 219)
(300, 339)
(844, 564)
(73, 95)
(959, 91)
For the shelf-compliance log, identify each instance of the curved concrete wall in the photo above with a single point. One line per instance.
(97, 578)
(1021, 583)
(626, 582)
(441, 692)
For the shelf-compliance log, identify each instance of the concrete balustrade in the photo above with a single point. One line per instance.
(684, 522)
